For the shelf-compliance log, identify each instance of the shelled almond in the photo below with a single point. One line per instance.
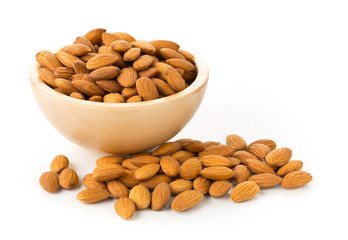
(100, 66)
(185, 170)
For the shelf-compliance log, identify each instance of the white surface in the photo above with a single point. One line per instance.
(278, 69)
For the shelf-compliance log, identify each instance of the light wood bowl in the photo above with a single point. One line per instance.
(120, 127)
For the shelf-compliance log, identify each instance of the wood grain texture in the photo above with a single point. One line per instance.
(120, 127)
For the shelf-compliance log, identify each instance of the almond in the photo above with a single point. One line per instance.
(115, 159)
(294, 165)
(194, 146)
(96, 99)
(107, 50)
(279, 157)
(162, 87)
(49, 181)
(59, 163)
(186, 200)
(220, 188)
(130, 166)
(179, 186)
(121, 46)
(259, 167)
(190, 169)
(144, 160)
(117, 189)
(132, 54)
(234, 161)
(88, 88)
(47, 60)
(217, 173)
(105, 73)
(241, 173)
(128, 179)
(181, 63)
(110, 86)
(161, 67)
(166, 149)
(266, 180)
(259, 150)
(47, 76)
(170, 166)
(168, 53)
(270, 143)
(160, 196)
(87, 57)
(80, 67)
(155, 180)
(107, 172)
(77, 95)
(63, 72)
(79, 76)
(113, 98)
(150, 72)
(146, 89)
(89, 182)
(84, 41)
(93, 195)
(128, 76)
(183, 141)
(202, 184)
(143, 62)
(101, 60)
(188, 56)
(66, 59)
(159, 44)
(215, 161)
(236, 142)
(125, 208)
(180, 156)
(133, 99)
(68, 178)
(145, 47)
(141, 154)
(65, 86)
(244, 155)
(129, 92)
(109, 38)
(140, 195)
(244, 191)
(76, 49)
(95, 35)
(222, 150)
(129, 38)
(146, 172)
(296, 179)
(210, 143)
(174, 79)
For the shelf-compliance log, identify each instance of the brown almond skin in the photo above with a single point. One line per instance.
(174, 79)
(48, 60)
(241, 173)
(65, 86)
(95, 35)
(85, 41)
(144, 160)
(159, 44)
(188, 56)
(66, 59)
(101, 60)
(133, 99)
(160, 196)
(115, 159)
(217, 173)
(77, 95)
(259, 167)
(155, 180)
(105, 73)
(140, 195)
(202, 184)
(110, 86)
(234, 161)
(266, 180)
(128, 165)
(47, 77)
(113, 98)
(190, 169)
(132, 54)
(244, 191)
(220, 188)
(109, 38)
(145, 47)
(179, 186)
(88, 88)
(215, 161)
(168, 53)
(128, 76)
(121, 46)
(182, 155)
(146, 172)
(167, 149)
(49, 181)
(63, 72)
(143, 62)
(296, 179)
(107, 172)
(244, 155)
(125, 208)
(181, 63)
(294, 165)
(89, 182)
(170, 166)
(236, 142)
(186, 200)
(129, 92)
(125, 36)
(150, 72)
(68, 178)
(146, 89)
(259, 150)
(194, 146)
(210, 143)
(222, 150)
(117, 189)
(59, 163)
(77, 49)
(270, 143)
(162, 87)
(93, 195)
(279, 156)
(128, 179)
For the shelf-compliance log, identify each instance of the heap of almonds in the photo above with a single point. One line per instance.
(117, 68)
(60, 174)
(188, 169)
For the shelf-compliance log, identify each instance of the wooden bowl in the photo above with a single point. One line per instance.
(120, 127)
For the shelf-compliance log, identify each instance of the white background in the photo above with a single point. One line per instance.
(278, 69)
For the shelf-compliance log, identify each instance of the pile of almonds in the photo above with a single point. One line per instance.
(117, 68)
(189, 169)
(60, 174)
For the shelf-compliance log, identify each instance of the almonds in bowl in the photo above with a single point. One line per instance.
(117, 68)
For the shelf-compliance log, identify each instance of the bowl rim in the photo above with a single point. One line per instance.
(198, 83)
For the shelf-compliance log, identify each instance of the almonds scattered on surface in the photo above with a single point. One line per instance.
(49, 181)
